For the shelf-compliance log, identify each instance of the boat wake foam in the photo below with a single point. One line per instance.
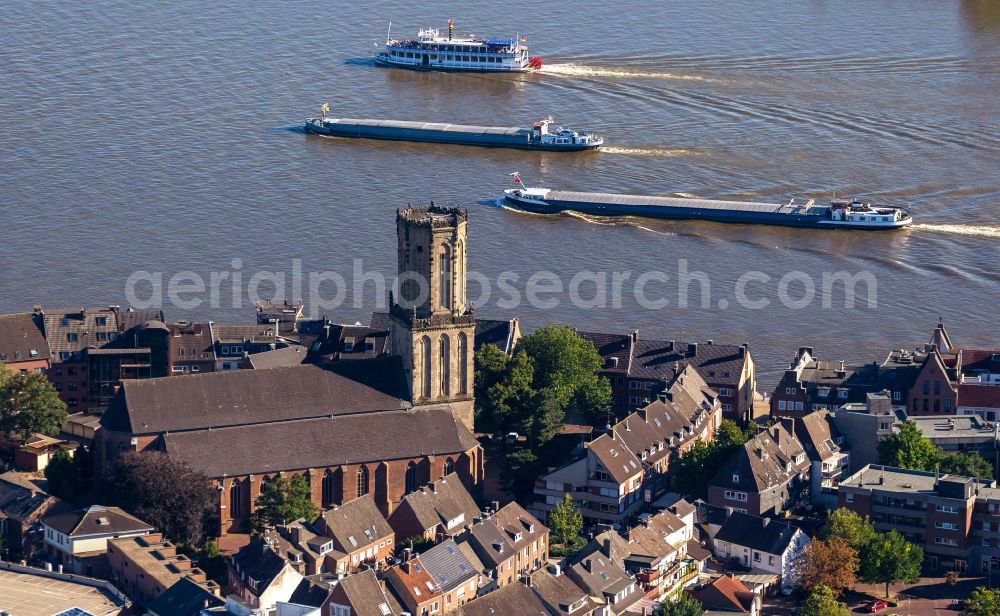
(583, 70)
(970, 230)
(660, 152)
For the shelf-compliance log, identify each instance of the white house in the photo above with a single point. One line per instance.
(78, 541)
(762, 545)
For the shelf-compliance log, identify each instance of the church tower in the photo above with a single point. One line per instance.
(432, 326)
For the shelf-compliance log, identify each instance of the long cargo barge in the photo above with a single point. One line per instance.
(853, 213)
(538, 137)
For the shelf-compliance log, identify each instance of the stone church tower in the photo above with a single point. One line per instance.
(432, 326)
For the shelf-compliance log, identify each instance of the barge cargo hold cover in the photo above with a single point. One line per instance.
(537, 137)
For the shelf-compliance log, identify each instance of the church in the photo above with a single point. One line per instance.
(382, 426)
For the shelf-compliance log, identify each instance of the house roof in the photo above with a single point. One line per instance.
(817, 435)
(979, 396)
(257, 561)
(560, 592)
(511, 599)
(22, 500)
(448, 565)
(764, 461)
(340, 341)
(725, 593)
(260, 333)
(366, 595)
(442, 501)
(499, 333)
(596, 573)
(415, 583)
(355, 524)
(756, 533)
(96, 520)
(310, 592)
(21, 338)
(73, 329)
(317, 443)
(279, 358)
(244, 397)
(615, 456)
(504, 532)
(614, 349)
(184, 598)
(717, 363)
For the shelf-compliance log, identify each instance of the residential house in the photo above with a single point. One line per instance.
(438, 581)
(761, 544)
(36, 450)
(441, 509)
(191, 348)
(811, 384)
(340, 342)
(279, 358)
(233, 341)
(510, 543)
(599, 572)
(766, 476)
(657, 554)
(726, 595)
(185, 598)
(146, 566)
(22, 343)
(563, 597)
(78, 541)
(357, 535)
(827, 451)
(258, 578)
(511, 599)
(639, 369)
(961, 434)
(865, 425)
(979, 399)
(22, 506)
(361, 594)
(501, 333)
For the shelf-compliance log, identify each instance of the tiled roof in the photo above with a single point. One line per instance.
(96, 520)
(447, 565)
(367, 598)
(614, 454)
(511, 599)
(257, 561)
(560, 592)
(980, 396)
(184, 598)
(505, 532)
(441, 502)
(499, 333)
(22, 501)
(354, 524)
(278, 358)
(614, 349)
(73, 329)
(816, 435)
(765, 461)
(756, 533)
(317, 443)
(245, 397)
(21, 338)
(718, 363)
(725, 593)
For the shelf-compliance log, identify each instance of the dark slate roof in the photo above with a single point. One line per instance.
(257, 561)
(366, 595)
(447, 565)
(765, 461)
(380, 320)
(499, 333)
(440, 502)
(278, 358)
(614, 349)
(81, 323)
(756, 533)
(354, 524)
(21, 338)
(184, 598)
(133, 317)
(310, 593)
(717, 363)
(96, 520)
(21, 500)
(357, 341)
(317, 443)
(245, 397)
(511, 599)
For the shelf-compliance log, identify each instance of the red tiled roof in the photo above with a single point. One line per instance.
(987, 396)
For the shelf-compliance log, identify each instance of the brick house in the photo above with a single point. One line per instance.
(22, 343)
(22, 506)
(146, 566)
(258, 578)
(510, 543)
(640, 369)
(361, 594)
(438, 581)
(357, 535)
(441, 509)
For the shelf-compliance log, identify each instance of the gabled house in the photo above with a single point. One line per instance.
(510, 543)
(766, 476)
(185, 598)
(22, 343)
(563, 597)
(352, 535)
(599, 572)
(22, 505)
(361, 594)
(441, 509)
(729, 595)
(437, 581)
(827, 451)
(258, 578)
(761, 544)
(78, 541)
(512, 599)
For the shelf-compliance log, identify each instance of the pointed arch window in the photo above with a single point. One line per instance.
(444, 276)
(445, 365)
(449, 466)
(412, 480)
(463, 363)
(235, 499)
(426, 355)
(328, 489)
(362, 481)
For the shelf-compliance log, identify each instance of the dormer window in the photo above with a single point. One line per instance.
(348, 345)
(736, 478)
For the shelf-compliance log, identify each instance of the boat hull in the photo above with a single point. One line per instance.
(554, 206)
(455, 135)
(453, 69)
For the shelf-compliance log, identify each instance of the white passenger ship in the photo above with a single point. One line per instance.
(432, 51)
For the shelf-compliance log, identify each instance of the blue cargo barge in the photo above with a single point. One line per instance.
(852, 213)
(538, 137)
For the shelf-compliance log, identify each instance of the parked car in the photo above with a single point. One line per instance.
(512, 438)
(875, 606)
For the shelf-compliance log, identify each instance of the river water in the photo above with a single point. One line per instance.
(164, 137)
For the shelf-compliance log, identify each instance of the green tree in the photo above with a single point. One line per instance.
(168, 494)
(283, 500)
(505, 397)
(28, 405)
(211, 561)
(63, 475)
(909, 449)
(888, 559)
(568, 366)
(684, 605)
(969, 464)
(982, 602)
(821, 602)
(688, 473)
(857, 531)
(520, 469)
(566, 521)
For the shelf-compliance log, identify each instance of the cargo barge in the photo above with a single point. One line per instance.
(852, 214)
(538, 137)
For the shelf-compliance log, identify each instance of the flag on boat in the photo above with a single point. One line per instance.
(325, 109)
(517, 178)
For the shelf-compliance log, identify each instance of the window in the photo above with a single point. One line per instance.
(842, 394)
(444, 276)
(781, 405)
(736, 478)
(425, 356)
(412, 482)
(362, 481)
(463, 362)
(849, 497)
(445, 365)
(72, 337)
(102, 335)
(927, 386)
(946, 525)
(798, 406)
(946, 509)
(101, 321)
(937, 388)
(947, 406)
(449, 466)
(945, 541)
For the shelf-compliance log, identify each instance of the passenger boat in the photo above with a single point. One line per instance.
(840, 213)
(432, 51)
(540, 136)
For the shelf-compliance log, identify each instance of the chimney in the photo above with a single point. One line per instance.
(670, 345)
(765, 522)
(693, 349)
(495, 505)
(607, 545)
(588, 565)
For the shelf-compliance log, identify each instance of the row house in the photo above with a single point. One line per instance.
(980, 399)
(258, 578)
(441, 509)
(955, 519)
(361, 594)
(761, 544)
(602, 575)
(22, 506)
(146, 566)
(78, 541)
(640, 369)
(828, 455)
(439, 581)
(22, 343)
(768, 475)
(510, 543)
(564, 597)
(623, 470)
(511, 599)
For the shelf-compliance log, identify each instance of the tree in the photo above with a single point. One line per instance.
(832, 564)
(505, 397)
(63, 475)
(684, 605)
(697, 467)
(821, 602)
(520, 469)
(909, 449)
(889, 558)
(857, 531)
(168, 494)
(569, 367)
(283, 500)
(28, 405)
(969, 464)
(566, 521)
(982, 602)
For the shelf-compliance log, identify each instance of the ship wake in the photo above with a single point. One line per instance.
(649, 152)
(969, 230)
(584, 70)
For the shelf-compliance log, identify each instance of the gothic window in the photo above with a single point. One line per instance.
(235, 508)
(412, 481)
(463, 363)
(460, 271)
(449, 466)
(362, 481)
(425, 358)
(444, 277)
(445, 365)
(328, 489)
